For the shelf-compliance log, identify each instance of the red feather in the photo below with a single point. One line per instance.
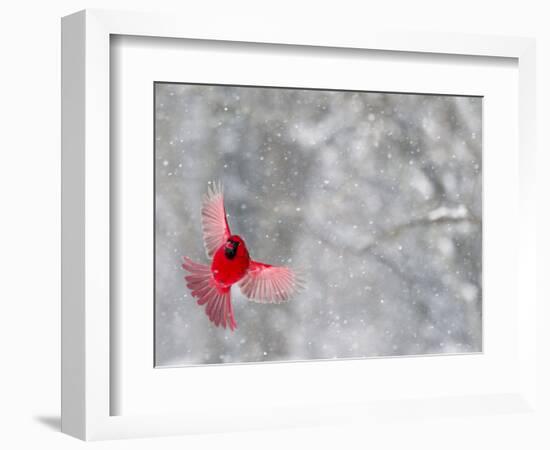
(265, 283)
(217, 298)
(215, 228)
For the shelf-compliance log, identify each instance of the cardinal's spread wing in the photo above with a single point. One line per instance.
(215, 229)
(270, 284)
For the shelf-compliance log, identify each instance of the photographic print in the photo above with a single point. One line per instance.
(297, 224)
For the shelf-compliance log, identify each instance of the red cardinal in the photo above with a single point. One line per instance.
(232, 264)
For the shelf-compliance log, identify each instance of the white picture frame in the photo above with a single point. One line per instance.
(88, 384)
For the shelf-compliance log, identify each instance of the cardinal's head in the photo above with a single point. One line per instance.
(235, 246)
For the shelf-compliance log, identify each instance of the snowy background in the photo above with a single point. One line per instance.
(376, 196)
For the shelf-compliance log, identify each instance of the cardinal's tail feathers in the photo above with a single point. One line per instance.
(204, 288)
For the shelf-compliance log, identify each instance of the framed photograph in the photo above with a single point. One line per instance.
(252, 207)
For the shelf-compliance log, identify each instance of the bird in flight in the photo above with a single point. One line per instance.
(231, 263)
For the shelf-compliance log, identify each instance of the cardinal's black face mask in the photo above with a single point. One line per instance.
(231, 249)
